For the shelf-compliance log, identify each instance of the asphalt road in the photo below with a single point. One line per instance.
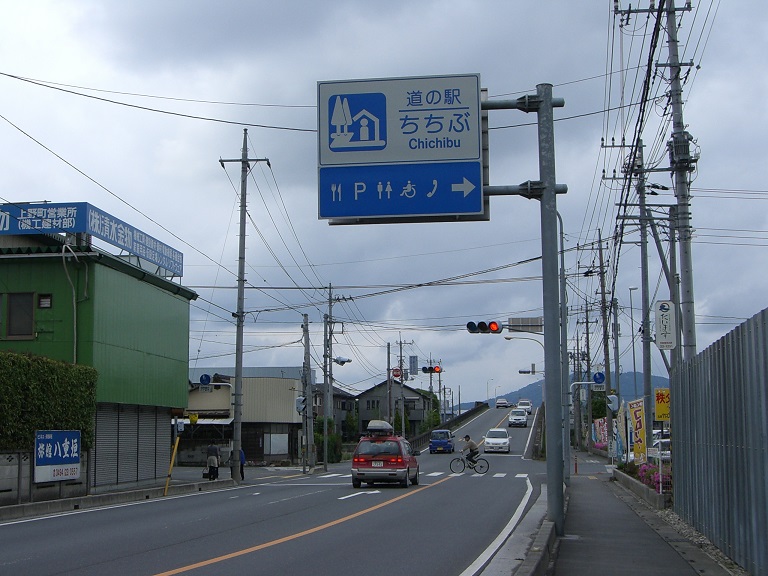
(284, 521)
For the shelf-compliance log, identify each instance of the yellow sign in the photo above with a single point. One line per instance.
(193, 418)
(637, 417)
(662, 404)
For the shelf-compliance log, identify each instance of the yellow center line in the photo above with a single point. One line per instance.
(285, 539)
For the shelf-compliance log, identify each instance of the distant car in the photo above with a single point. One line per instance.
(502, 403)
(441, 441)
(518, 417)
(496, 440)
(382, 456)
(525, 405)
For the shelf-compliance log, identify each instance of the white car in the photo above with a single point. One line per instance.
(502, 403)
(496, 440)
(518, 417)
(525, 405)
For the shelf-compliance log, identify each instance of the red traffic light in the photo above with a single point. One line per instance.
(431, 369)
(482, 327)
(438, 369)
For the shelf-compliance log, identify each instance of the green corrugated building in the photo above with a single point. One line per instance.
(63, 298)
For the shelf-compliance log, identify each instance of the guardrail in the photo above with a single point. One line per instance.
(422, 440)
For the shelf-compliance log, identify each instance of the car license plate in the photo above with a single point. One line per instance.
(377, 464)
(440, 449)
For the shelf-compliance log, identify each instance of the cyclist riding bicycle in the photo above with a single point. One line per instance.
(470, 446)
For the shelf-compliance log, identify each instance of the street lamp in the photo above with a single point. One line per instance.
(487, 394)
(524, 338)
(632, 319)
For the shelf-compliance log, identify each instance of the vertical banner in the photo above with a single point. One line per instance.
(662, 404)
(637, 417)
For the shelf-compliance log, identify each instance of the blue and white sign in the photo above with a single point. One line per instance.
(77, 217)
(598, 377)
(57, 455)
(400, 147)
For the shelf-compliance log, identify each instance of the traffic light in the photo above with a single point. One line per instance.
(483, 327)
(301, 404)
(431, 369)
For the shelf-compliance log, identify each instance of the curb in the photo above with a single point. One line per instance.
(33, 509)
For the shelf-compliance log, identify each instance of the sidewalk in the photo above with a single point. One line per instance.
(608, 530)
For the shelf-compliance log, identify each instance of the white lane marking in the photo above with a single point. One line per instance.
(435, 473)
(331, 475)
(521, 475)
(500, 475)
(359, 494)
(481, 561)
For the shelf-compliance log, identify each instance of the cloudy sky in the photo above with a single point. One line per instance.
(130, 105)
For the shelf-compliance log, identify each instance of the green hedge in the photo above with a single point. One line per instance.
(41, 394)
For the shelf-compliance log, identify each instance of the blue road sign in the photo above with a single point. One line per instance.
(400, 190)
(400, 147)
(598, 377)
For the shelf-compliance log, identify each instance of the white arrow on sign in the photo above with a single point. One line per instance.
(358, 494)
(465, 187)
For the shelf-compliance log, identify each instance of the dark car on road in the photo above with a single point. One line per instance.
(441, 441)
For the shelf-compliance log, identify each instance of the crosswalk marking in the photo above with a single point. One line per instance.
(435, 473)
(500, 475)
(333, 475)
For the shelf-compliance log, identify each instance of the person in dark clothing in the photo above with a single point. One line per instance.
(214, 458)
(242, 464)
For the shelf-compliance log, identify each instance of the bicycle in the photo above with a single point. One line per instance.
(459, 463)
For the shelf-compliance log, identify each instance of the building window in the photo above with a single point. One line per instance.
(44, 300)
(20, 315)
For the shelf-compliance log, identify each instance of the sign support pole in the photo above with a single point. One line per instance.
(552, 377)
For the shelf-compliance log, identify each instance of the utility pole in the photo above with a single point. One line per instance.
(402, 385)
(328, 374)
(644, 292)
(308, 421)
(389, 383)
(682, 164)
(590, 443)
(606, 343)
(237, 421)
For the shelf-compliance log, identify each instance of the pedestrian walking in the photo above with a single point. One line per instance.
(242, 464)
(214, 459)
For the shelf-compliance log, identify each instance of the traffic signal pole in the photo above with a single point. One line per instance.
(546, 190)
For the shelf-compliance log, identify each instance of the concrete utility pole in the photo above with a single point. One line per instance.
(606, 342)
(682, 164)
(389, 417)
(240, 314)
(306, 381)
(644, 294)
(587, 378)
(328, 375)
